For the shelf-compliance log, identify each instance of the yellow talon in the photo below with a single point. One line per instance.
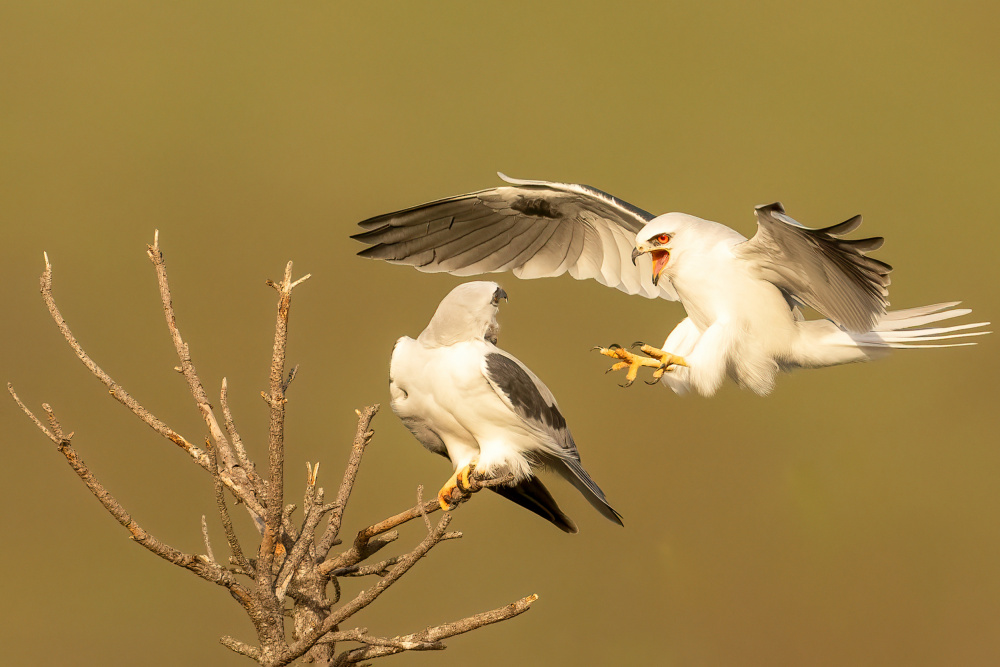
(444, 495)
(658, 359)
(665, 358)
(459, 481)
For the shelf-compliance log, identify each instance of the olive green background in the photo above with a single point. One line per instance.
(850, 518)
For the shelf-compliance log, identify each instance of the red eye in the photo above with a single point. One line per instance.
(663, 238)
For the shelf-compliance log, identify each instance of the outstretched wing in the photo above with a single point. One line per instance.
(532, 401)
(535, 229)
(819, 269)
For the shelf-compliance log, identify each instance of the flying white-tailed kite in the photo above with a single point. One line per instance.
(466, 399)
(743, 297)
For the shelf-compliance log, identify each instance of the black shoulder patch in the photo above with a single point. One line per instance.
(522, 392)
(538, 207)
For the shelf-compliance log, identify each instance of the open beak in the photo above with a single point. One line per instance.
(660, 258)
(497, 295)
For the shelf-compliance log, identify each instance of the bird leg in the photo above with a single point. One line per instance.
(460, 482)
(658, 359)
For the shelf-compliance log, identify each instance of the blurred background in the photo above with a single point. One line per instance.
(850, 518)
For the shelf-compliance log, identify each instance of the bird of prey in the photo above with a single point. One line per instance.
(744, 298)
(466, 399)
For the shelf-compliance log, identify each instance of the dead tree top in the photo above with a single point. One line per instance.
(294, 561)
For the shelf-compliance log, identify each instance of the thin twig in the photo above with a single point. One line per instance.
(115, 389)
(361, 635)
(234, 435)
(202, 567)
(38, 422)
(382, 567)
(227, 524)
(184, 355)
(362, 436)
(436, 634)
(359, 550)
(208, 543)
(420, 506)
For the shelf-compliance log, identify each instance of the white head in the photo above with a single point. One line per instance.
(468, 312)
(670, 237)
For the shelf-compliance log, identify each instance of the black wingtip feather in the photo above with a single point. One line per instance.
(532, 495)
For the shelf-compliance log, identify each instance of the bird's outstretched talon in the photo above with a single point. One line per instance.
(665, 358)
(632, 361)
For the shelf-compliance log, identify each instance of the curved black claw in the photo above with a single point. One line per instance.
(637, 343)
(651, 382)
(461, 486)
(628, 383)
(614, 346)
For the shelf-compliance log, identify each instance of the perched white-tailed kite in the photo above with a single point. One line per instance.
(743, 297)
(469, 401)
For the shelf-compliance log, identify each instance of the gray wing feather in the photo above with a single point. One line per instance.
(532, 401)
(572, 470)
(820, 270)
(534, 228)
(529, 399)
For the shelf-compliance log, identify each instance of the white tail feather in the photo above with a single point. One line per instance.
(822, 343)
(909, 313)
(895, 328)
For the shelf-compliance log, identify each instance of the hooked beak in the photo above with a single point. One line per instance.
(660, 258)
(499, 294)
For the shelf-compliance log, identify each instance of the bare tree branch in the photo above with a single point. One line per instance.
(241, 648)
(362, 437)
(235, 549)
(276, 450)
(115, 389)
(200, 566)
(434, 635)
(184, 353)
(366, 597)
(234, 435)
(229, 462)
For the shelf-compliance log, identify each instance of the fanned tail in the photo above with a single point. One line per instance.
(895, 328)
(822, 343)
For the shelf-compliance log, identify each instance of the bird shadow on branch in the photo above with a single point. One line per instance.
(294, 569)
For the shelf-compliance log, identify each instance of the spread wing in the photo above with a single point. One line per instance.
(535, 229)
(819, 269)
